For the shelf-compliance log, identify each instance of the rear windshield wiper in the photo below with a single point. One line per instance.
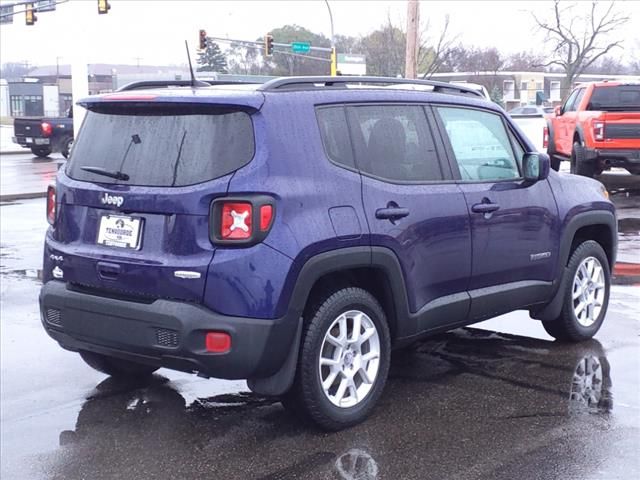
(106, 173)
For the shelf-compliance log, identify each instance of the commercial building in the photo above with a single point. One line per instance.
(524, 88)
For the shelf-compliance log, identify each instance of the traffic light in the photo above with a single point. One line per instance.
(103, 7)
(203, 39)
(268, 45)
(30, 14)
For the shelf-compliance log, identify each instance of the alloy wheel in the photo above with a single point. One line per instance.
(588, 291)
(349, 359)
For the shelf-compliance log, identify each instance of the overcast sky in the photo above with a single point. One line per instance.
(153, 32)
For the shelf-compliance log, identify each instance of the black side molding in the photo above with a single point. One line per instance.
(551, 310)
(586, 219)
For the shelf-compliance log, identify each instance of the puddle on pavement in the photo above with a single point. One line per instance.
(629, 226)
(628, 243)
(31, 273)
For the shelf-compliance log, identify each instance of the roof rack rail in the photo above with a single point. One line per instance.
(311, 83)
(145, 84)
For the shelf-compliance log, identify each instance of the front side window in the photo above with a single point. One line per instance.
(480, 144)
(394, 142)
(569, 102)
(576, 101)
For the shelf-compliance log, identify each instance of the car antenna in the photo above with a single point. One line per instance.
(194, 83)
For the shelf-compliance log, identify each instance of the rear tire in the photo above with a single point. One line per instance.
(41, 152)
(116, 367)
(340, 373)
(586, 290)
(67, 144)
(579, 163)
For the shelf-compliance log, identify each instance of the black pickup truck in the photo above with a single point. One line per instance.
(45, 135)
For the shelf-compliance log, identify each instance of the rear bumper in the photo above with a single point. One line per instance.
(615, 157)
(29, 142)
(164, 333)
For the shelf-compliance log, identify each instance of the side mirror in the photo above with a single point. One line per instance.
(558, 110)
(535, 166)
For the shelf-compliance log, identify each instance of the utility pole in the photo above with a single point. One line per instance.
(411, 53)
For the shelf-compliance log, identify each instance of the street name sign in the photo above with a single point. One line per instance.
(300, 47)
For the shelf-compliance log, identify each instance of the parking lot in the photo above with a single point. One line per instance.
(499, 400)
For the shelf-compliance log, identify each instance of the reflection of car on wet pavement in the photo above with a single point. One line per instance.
(544, 386)
(297, 265)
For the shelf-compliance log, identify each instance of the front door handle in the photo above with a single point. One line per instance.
(485, 207)
(391, 213)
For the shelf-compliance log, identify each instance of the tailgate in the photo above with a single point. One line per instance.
(27, 127)
(622, 125)
(165, 250)
(134, 198)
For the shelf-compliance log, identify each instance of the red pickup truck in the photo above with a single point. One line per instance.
(597, 127)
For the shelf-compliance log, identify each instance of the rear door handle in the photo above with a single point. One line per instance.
(391, 213)
(485, 207)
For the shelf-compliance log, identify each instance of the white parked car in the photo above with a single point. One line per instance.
(531, 110)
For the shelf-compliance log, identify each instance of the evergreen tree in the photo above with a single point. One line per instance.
(496, 96)
(211, 59)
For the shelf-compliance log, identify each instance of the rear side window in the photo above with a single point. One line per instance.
(176, 147)
(620, 97)
(335, 135)
(480, 144)
(394, 142)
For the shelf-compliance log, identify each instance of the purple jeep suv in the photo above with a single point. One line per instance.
(293, 233)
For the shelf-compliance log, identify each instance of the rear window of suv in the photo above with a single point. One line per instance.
(177, 146)
(619, 97)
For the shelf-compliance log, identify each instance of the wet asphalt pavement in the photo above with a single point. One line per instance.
(499, 401)
(26, 173)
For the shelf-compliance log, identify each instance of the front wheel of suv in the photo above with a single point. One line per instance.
(343, 361)
(116, 367)
(586, 290)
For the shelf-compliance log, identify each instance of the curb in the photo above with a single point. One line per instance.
(12, 197)
(15, 152)
(626, 273)
(626, 269)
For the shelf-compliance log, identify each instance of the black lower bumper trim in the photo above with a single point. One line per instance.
(165, 333)
(615, 157)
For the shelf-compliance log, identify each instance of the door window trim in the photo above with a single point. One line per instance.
(453, 163)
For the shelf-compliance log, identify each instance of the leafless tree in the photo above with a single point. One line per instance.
(433, 55)
(523, 61)
(385, 50)
(577, 42)
(634, 64)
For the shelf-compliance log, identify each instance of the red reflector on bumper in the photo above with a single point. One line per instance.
(218, 342)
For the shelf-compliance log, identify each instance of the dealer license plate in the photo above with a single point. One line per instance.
(120, 231)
